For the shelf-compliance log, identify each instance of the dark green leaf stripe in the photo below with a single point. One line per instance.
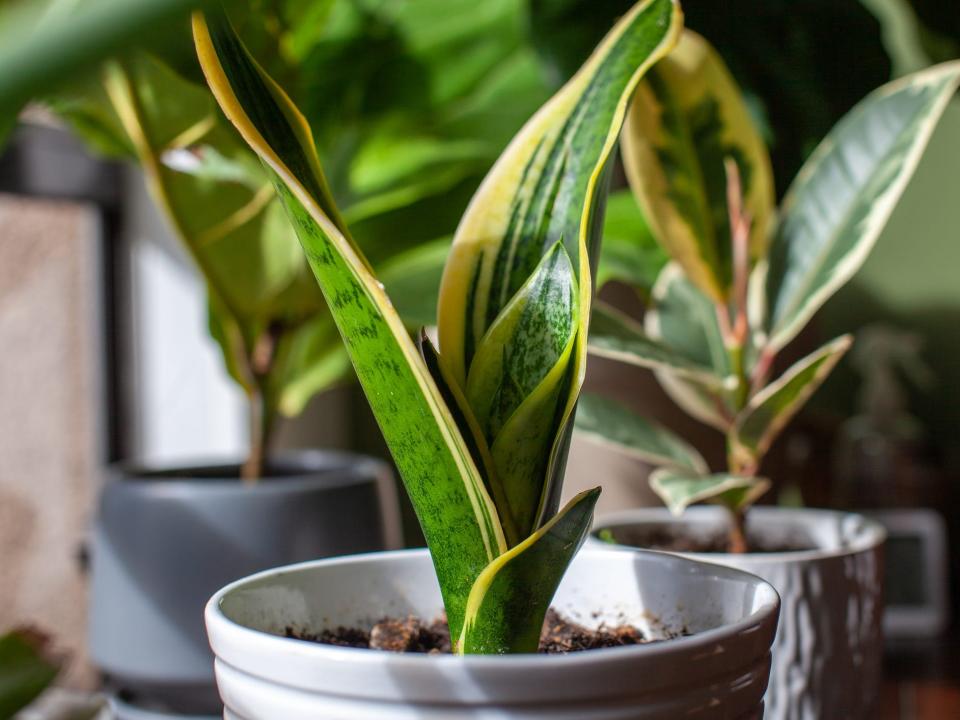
(510, 599)
(444, 484)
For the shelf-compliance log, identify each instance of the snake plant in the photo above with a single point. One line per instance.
(740, 286)
(479, 429)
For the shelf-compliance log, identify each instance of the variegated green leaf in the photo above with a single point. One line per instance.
(510, 599)
(549, 187)
(769, 411)
(679, 490)
(844, 195)
(607, 422)
(447, 490)
(616, 336)
(685, 319)
(688, 116)
(518, 378)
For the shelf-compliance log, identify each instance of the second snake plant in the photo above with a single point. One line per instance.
(479, 429)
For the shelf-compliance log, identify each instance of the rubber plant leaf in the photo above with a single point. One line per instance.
(549, 187)
(679, 490)
(684, 319)
(445, 486)
(612, 424)
(687, 118)
(616, 336)
(769, 411)
(844, 195)
(25, 669)
(521, 583)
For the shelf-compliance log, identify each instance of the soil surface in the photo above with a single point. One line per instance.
(412, 635)
(678, 540)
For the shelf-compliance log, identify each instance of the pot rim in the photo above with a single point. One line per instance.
(220, 473)
(218, 622)
(871, 534)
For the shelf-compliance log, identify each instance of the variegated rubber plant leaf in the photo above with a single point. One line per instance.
(688, 117)
(544, 197)
(843, 197)
(769, 411)
(679, 490)
(449, 437)
(684, 319)
(608, 422)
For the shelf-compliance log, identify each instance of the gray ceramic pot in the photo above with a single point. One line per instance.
(165, 540)
(829, 646)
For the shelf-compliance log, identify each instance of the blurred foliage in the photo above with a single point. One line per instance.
(784, 54)
(410, 103)
(26, 669)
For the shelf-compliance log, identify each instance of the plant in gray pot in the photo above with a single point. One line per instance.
(738, 288)
(479, 431)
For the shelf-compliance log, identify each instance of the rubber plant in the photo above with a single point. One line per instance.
(741, 285)
(479, 430)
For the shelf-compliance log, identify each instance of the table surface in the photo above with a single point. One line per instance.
(921, 680)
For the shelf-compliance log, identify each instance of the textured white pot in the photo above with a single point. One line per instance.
(719, 673)
(827, 655)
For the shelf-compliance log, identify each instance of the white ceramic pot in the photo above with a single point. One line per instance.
(720, 672)
(827, 655)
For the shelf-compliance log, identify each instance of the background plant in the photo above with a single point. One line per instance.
(479, 431)
(736, 292)
(410, 105)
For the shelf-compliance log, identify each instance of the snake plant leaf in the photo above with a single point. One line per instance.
(610, 423)
(679, 490)
(685, 319)
(456, 513)
(629, 252)
(616, 336)
(25, 670)
(548, 187)
(769, 411)
(518, 378)
(845, 193)
(511, 596)
(687, 118)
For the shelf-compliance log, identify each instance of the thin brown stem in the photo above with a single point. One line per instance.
(738, 532)
(252, 468)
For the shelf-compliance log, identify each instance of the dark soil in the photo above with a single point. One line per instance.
(411, 635)
(677, 540)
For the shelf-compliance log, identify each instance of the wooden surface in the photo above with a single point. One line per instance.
(921, 680)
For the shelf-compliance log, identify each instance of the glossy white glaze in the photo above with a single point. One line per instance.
(718, 672)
